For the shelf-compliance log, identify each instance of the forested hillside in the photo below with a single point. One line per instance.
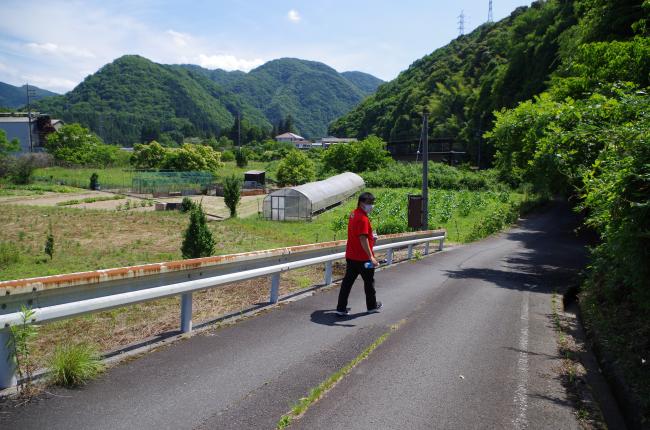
(15, 97)
(364, 81)
(461, 84)
(133, 99)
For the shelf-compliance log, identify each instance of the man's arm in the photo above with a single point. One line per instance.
(366, 247)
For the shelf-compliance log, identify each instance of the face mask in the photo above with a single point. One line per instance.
(367, 208)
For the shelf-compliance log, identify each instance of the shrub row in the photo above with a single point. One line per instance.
(441, 176)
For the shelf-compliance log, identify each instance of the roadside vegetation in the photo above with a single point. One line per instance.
(72, 365)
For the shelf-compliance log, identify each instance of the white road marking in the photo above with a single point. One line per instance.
(521, 404)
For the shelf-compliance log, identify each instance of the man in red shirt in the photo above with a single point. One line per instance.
(359, 256)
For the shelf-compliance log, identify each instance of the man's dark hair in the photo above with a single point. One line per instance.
(366, 198)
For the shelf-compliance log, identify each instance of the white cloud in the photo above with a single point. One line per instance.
(180, 39)
(227, 62)
(54, 49)
(53, 83)
(294, 16)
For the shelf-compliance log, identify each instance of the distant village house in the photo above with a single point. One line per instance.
(298, 141)
(301, 143)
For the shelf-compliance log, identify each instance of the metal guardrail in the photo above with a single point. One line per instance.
(76, 298)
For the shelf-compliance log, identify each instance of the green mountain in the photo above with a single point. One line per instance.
(134, 99)
(15, 97)
(462, 83)
(133, 96)
(313, 93)
(364, 81)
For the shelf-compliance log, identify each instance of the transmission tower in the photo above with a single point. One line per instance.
(490, 18)
(461, 23)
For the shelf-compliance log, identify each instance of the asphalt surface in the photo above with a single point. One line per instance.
(475, 348)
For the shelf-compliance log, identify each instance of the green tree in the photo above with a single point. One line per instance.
(198, 241)
(75, 144)
(232, 193)
(371, 154)
(7, 146)
(149, 156)
(340, 158)
(241, 158)
(295, 169)
(190, 158)
(227, 156)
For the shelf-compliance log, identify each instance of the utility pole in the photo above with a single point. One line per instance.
(490, 18)
(238, 130)
(30, 93)
(480, 136)
(425, 169)
(461, 23)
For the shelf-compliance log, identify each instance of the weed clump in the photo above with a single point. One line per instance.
(74, 365)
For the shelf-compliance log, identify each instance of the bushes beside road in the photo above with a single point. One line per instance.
(441, 176)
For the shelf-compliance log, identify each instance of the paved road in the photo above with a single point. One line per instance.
(475, 349)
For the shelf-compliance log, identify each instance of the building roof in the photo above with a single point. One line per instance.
(254, 172)
(290, 136)
(15, 119)
(332, 190)
(338, 139)
(7, 118)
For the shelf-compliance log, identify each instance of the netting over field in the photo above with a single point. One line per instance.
(165, 182)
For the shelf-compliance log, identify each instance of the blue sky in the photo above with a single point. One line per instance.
(55, 44)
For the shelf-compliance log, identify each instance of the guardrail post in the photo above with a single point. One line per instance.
(389, 256)
(410, 252)
(7, 366)
(328, 273)
(426, 248)
(442, 242)
(186, 312)
(275, 288)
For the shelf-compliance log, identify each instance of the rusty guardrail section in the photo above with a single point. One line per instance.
(47, 290)
(64, 296)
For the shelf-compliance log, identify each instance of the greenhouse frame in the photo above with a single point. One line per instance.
(304, 201)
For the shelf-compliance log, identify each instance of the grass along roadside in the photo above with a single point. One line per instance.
(318, 392)
(572, 371)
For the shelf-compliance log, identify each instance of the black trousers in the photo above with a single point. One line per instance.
(352, 270)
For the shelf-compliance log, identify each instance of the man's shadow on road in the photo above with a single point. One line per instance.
(329, 317)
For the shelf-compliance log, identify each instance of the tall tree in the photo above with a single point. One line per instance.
(198, 241)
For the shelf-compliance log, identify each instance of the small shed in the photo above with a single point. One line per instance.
(254, 179)
(304, 201)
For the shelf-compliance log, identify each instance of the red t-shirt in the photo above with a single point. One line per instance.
(357, 225)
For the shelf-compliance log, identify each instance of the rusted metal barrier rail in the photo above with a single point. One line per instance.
(65, 296)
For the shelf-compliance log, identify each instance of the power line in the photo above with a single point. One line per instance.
(490, 17)
(461, 23)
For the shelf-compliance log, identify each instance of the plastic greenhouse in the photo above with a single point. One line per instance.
(304, 201)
